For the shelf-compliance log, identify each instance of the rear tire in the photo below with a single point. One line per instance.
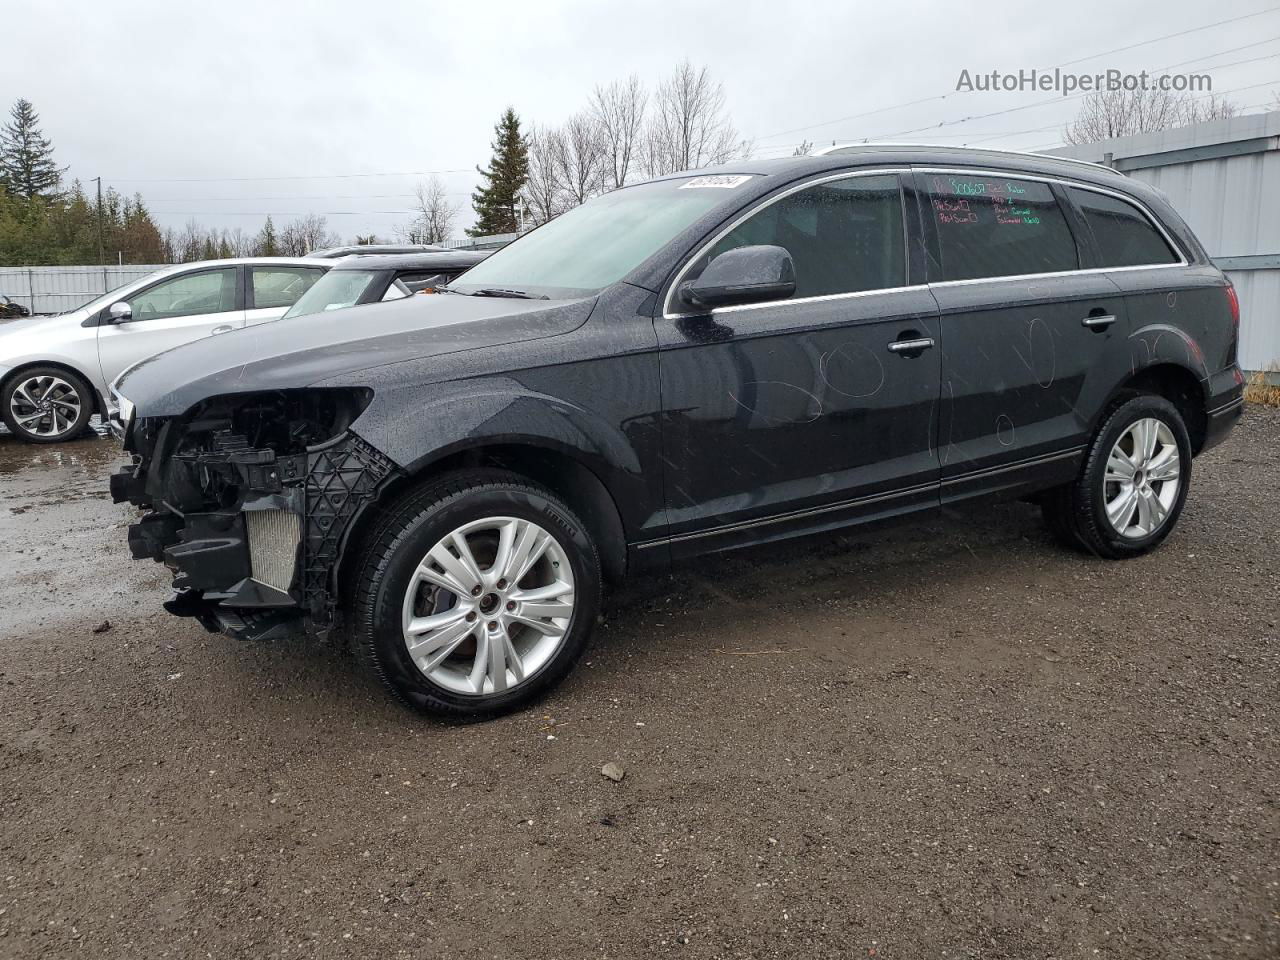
(435, 619)
(1133, 485)
(46, 404)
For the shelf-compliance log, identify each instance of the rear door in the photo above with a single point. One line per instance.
(1032, 344)
(807, 412)
(272, 290)
(172, 311)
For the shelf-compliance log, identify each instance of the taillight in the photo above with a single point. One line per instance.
(1234, 302)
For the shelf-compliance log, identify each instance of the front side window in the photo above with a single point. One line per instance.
(844, 236)
(1125, 237)
(281, 286)
(590, 247)
(193, 294)
(991, 226)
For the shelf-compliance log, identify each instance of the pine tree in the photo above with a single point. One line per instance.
(495, 202)
(26, 156)
(267, 244)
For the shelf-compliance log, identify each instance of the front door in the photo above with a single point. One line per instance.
(809, 412)
(169, 313)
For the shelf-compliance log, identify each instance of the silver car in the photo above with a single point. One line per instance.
(55, 371)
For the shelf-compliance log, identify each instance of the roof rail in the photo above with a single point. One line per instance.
(849, 147)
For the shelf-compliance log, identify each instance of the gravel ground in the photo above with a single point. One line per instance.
(947, 739)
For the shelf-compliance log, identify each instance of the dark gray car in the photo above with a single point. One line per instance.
(358, 280)
(677, 368)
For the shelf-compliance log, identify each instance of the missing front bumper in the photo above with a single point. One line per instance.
(269, 557)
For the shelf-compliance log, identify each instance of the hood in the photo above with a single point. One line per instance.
(301, 351)
(19, 336)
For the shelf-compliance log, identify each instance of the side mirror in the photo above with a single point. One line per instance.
(743, 275)
(120, 312)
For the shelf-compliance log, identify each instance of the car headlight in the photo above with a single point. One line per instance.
(124, 406)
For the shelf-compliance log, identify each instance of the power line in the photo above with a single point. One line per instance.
(1037, 103)
(912, 103)
(1169, 36)
(282, 213)
(324, 196)
(301, 176)
(1040, 103)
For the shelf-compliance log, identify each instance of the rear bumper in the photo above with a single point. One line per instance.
(1220, 422)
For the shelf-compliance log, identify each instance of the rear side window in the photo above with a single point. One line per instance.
(844, 236)
(1125, 237)
(281, 286)
(998, 227)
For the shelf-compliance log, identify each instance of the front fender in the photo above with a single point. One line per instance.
(460, 416)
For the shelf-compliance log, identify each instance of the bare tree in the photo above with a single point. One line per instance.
(1210, 108)
(1122, 113)
(688, 126)
(189, 245)
(542, 192)
(580, 159)
(241, 245)
(619, 111)
(805, 149)
(436, 214)
(305, 234)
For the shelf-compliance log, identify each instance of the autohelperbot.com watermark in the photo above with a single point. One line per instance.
(1066, 83)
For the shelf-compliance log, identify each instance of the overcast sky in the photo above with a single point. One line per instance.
(199, 106)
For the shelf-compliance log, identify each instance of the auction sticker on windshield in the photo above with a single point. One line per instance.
(722, 181)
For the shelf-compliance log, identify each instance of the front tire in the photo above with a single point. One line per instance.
(476, 596)
(46, 404)
(1133, 485)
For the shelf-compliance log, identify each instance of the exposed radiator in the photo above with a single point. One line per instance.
(273, 545)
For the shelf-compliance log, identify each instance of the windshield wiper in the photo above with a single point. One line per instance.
(502, 292)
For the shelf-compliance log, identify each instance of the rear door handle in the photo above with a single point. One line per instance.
(1099, 323)
(911, 346)
(225, 328)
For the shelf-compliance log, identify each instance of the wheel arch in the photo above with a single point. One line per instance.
(99, 404)
(1179, 385)
(537, 459)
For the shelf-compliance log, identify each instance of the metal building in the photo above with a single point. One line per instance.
(1223, 176)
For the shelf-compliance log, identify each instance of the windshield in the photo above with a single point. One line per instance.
(334, 291)
(592, 246)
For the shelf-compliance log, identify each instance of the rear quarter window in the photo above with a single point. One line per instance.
(1124, 235)
(994, 226)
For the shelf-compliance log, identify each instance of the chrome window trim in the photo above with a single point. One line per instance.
(738, 308)
(1132, 201)
(669, 314)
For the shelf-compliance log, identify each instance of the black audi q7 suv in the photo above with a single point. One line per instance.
(700, 362)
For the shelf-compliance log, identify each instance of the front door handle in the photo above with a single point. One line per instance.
(1099, 322)
(225, 328)
(911, 346)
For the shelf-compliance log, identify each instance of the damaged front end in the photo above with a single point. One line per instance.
(249, 499)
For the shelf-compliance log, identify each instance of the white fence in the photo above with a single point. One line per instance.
(57, 289)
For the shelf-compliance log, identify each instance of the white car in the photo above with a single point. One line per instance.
(55, 371)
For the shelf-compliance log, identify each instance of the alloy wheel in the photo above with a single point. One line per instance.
(45, 406)
(1140, 486)
(488, 606)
